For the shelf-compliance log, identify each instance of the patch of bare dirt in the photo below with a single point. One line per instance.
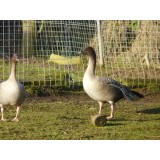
(79, 97)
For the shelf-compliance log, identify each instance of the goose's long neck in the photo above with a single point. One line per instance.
(13, 71)
(91, 66)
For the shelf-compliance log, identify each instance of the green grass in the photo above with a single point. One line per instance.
(43, 73)
(58, 119)
(51, 118)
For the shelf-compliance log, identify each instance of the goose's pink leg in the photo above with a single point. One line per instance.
(2, 111)
(17, 113)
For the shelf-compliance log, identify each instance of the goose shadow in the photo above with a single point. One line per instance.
(150, 111)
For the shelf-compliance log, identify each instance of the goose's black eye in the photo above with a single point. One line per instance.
(83, 52)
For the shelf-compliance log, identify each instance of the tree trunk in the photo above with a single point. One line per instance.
(28, 37)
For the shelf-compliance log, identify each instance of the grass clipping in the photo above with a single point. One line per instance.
(99, 120)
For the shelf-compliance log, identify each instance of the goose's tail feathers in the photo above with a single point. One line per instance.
(131, 95)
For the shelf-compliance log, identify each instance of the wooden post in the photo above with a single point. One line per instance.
(100, 43)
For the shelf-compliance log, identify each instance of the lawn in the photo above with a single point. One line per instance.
(67, 116)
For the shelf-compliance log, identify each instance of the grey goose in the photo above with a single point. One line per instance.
(11, 91)
(103, 89)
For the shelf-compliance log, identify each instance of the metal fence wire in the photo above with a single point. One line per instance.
(49, 50)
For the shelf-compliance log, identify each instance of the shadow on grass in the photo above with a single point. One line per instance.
(150, 111)
(114, 124)
(71, 118)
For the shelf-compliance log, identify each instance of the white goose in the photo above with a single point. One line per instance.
(103, 89)
(11, 91)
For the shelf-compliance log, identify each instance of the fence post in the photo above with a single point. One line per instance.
(100, 43)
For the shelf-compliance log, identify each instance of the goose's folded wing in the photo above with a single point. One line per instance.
(127, 93)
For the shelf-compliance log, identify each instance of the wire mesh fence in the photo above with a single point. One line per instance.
(49, 50)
